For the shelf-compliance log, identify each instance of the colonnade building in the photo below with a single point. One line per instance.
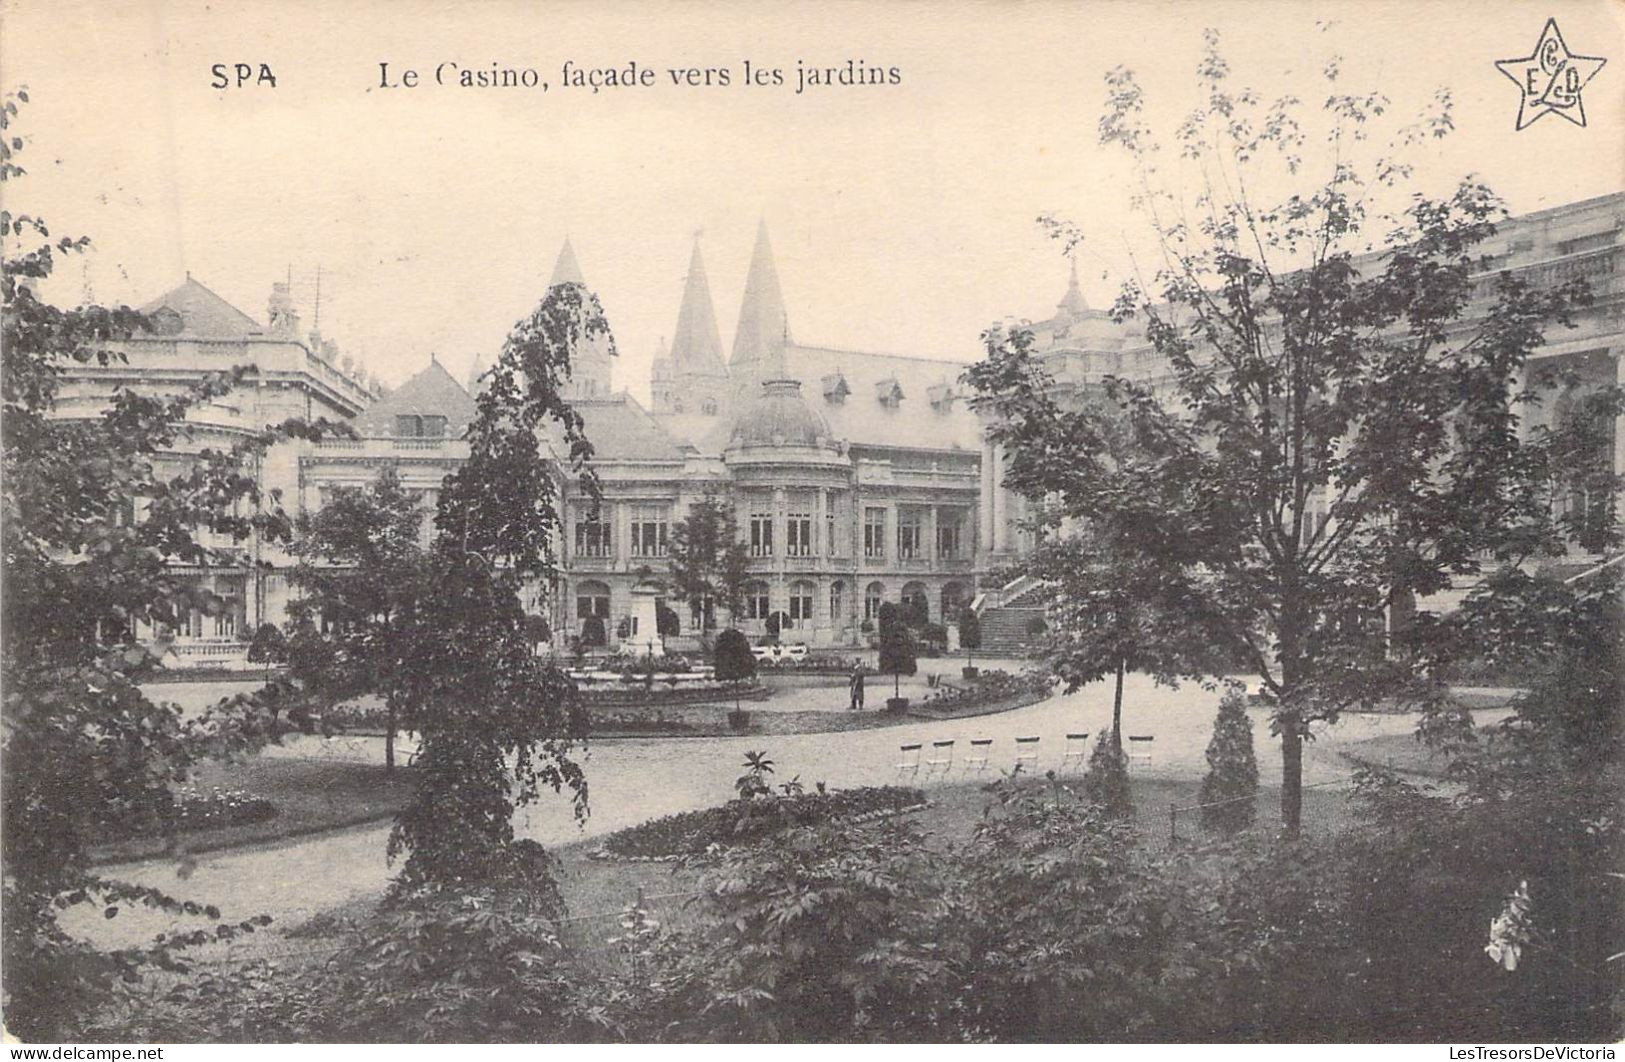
(856, 477)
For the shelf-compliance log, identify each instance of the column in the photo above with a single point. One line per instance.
(931, 537)
(1001, 504)
(984, 536)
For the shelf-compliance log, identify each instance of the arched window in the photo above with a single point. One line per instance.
(953, 599)
(801, 605)
(916, 605)
(709, 407)
(873, 595)
(677, 405)
(592, 599)
(837, 594)
(756, 606)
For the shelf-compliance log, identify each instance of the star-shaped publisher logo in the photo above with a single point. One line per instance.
(1550, 78)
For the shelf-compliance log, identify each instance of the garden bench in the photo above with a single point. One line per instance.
(976, 759)
(1139, 748)
(1077, 751)
(941, 758)
(909, 763)
(1027, 752)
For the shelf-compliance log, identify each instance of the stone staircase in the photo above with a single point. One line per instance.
(1007, 614)
(1005, 631)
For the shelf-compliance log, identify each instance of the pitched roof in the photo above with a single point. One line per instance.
(764, 327)
(432, 392)
(696, 346)
(621, 429)
(205, 314)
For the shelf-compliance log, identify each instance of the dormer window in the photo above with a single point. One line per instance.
(835, 388)
(709, 407)
(408, 426)
(942, 396)
(890, 392)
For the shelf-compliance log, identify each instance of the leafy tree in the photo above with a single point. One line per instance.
(1338, 438)
(666, 621)
(970, 633)
(1232, 771)
(709, 562)
(897, 655)
(592, 632)
(732, 661)
(269, 646)
(96, 515)
(360, 575)
(539, 631)
(496, 721)
(1105, 782)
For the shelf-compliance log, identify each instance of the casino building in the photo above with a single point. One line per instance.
(856, 477)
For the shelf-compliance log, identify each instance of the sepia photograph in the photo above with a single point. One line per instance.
(1020, 522)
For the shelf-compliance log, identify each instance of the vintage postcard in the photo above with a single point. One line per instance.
(788, 522)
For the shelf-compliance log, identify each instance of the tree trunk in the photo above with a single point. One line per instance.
(1117, 710)
(1291, 772)
(389, 739)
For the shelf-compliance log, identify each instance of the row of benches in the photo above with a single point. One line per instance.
(1074, 755)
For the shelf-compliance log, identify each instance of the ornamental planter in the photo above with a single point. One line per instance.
(739, 720)
(898, 705)
(970, 672)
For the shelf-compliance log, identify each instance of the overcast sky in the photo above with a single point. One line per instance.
(903, 216)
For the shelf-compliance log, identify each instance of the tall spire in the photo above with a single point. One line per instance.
(696, 346)
(1072, 303)
(764, 328)
(566, 270)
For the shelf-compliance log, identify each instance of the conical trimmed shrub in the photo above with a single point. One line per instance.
(1106, 781)
(1232, 769)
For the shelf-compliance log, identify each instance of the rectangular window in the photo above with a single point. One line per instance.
(874, 532)
(761, 535)
(801, 608)
(406, 426)
(948, 537)
(909, 534)
(649, 533)
(592, 537)
(798, 535)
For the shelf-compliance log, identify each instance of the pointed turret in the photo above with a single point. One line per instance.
(696, 346)
(566, 270)
(764, 328)
(1072, 304)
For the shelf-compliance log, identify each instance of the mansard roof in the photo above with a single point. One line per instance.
(203, 314)
(432, 392)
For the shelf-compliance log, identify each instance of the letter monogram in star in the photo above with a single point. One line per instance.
(1550, 79)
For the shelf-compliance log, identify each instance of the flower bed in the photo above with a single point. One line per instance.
(988, 688)
(198, 809)
(743, 821)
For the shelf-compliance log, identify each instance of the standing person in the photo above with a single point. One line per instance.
(856, 688)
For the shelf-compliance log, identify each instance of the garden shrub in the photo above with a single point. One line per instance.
(1232, 770)
(1105, 782)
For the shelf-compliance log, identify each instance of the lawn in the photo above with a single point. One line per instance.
(309, 795)
(1405, 754)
